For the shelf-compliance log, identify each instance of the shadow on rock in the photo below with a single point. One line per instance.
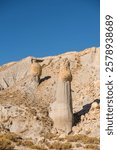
(83, 111)
(45, 78)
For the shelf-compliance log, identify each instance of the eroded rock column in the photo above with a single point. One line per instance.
(61, 113)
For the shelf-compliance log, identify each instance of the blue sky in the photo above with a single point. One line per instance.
(47, 27)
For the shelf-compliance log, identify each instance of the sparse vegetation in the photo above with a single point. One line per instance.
(91, 140)
(11, 137)
(6, 144)
(91, 146)
(27, 143)
(9, 140)
(78, 145)
(85, 139)
(58, 145)
(30, 144)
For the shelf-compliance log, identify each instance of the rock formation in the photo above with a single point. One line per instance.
(25, 107)
(95, 106)
(10, 74)
(62, 114)
(36, 70)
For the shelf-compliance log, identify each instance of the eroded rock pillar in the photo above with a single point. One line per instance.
(61, 113)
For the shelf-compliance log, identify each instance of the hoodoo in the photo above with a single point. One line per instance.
(62, 114)
(36, 70)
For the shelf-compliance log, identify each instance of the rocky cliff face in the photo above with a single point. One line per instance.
(25, 107)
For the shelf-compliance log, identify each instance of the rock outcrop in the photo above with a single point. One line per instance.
(22, 120)
(11, 74)
(36, 70)
(62, 111)
(25, 105)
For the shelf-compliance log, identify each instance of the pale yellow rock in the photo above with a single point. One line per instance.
(97, 83)
(82, 118)
(36, 69)
(65, 73)
(94, 106)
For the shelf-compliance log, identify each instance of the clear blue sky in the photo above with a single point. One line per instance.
(47, 27)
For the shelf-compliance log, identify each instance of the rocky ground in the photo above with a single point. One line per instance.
(25, 123)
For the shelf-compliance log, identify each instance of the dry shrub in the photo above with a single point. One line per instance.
(85, 139)
(91, 140)
(6, 144)
(7, 139)
(27, 143)
(58, 145)
(11, 136)
(30, 144)
(78, 145)
(91, 146)
(39, 147)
